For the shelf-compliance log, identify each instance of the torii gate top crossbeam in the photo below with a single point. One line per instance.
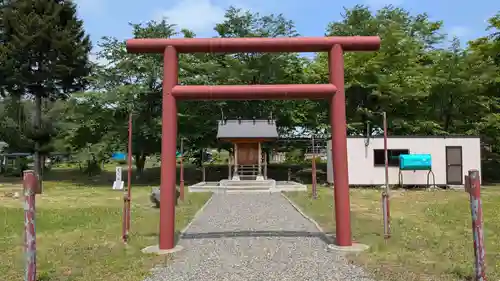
(236, 45)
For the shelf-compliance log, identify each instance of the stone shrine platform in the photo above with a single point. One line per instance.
(236, 186)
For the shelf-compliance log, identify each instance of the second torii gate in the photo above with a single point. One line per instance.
(333, 91)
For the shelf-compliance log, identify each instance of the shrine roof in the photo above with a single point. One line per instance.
(236, 129)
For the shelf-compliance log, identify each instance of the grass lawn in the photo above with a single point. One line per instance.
(431, 232)
(79, 232)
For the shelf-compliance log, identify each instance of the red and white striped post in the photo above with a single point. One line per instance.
(31, 188)
(473, 187)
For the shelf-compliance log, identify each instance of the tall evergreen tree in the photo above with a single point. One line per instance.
(45, 56)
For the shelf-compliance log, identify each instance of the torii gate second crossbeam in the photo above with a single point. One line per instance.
(333, 91)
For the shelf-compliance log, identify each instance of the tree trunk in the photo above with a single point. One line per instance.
(37, 126)
(202, 157)
(447, 117)
(140, 162)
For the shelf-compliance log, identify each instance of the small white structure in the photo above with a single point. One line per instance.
(452, 157)
(118, 183)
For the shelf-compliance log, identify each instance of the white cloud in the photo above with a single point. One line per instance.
(459, 31)
(196, 15)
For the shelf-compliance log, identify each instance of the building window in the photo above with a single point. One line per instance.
(379, 158)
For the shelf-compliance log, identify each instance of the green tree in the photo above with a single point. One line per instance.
(13, 124)
(89, 130)
(262, 68)
(392, 79)
(487, 110)
(47, 49)
(132, 83)
(458, 82)
(133, 80)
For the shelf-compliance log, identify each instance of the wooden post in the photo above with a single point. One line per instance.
(235, 160)
(181, 172)
(265, 165)
(127, 197)
(473, 187)
(385, 194)
(313, 173)
(203, 173)
(260, 160)
(31, 188)
(229, 168)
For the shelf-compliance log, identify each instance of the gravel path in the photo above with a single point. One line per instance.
(257, 237)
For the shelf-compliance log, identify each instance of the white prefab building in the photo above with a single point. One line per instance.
(451, 157)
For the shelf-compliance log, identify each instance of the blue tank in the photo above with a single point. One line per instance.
(415, 162)
(119, 156)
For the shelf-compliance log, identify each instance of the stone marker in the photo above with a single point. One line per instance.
(155, 196)
(118, 183)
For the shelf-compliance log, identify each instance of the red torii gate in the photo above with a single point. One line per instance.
(334, 91)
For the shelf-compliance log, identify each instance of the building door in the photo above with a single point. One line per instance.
(248, 153)
(454, 173)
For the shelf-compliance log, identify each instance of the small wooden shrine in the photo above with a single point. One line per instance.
(247, 137)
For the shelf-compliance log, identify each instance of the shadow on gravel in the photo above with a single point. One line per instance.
(233, 234)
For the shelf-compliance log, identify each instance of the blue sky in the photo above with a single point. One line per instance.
(465, 19)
